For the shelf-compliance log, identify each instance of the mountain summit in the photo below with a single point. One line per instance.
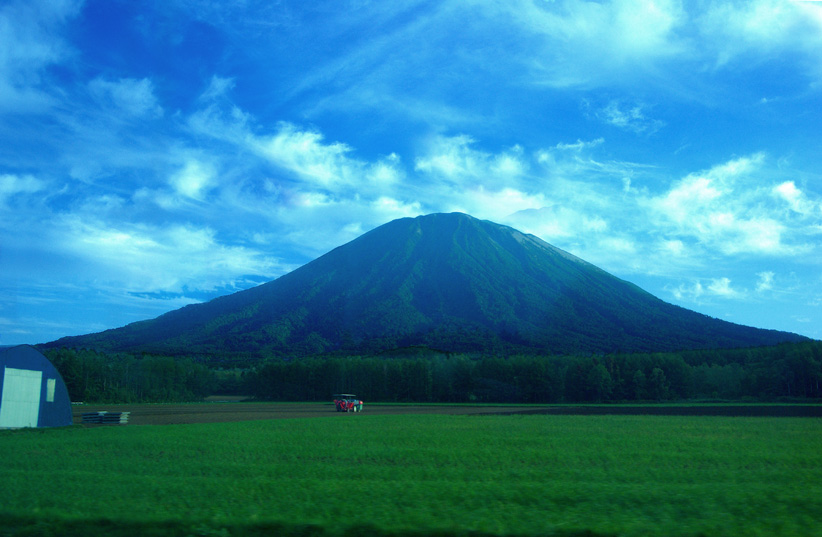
(444, 281)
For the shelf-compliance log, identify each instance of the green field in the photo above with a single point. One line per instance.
(419, 475)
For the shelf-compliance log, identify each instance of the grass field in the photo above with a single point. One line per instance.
(419, 475)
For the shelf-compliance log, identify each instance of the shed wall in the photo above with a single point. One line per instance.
(32, 392)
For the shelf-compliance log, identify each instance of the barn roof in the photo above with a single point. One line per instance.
(32, 392)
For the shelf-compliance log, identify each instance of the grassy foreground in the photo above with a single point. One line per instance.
(419, 475)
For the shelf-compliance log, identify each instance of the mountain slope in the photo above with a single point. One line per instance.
(447, 281)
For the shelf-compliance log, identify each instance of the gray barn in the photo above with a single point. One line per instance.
(32, 392)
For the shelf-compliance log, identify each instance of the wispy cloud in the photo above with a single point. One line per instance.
(29, 44)
(712, 288)
(456, 158)
(585, 43)
(760, 30)
(630, 117)
(797, 200)
(305, 154)
(765, 281)
(722, 287)
(146, 258)
(126, 96)
(13, 185)
(194, 179)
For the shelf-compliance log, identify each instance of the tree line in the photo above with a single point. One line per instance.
(766, 373)
(791, 370)
(92, 376)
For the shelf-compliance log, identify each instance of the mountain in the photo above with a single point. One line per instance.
(444, 281)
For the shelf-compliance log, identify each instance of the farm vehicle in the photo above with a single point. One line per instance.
(346, 402)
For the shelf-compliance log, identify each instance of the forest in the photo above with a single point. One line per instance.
(791, 370)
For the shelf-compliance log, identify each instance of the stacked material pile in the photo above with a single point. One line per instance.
(106, 418)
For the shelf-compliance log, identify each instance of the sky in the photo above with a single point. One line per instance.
(160, 153)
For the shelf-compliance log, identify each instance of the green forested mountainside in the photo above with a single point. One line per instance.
(444, 281)
(791, 370)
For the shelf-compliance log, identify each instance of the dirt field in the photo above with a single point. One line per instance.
(216, 412)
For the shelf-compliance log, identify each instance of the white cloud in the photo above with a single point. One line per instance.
(457, 177)
(390, 209)
(758, 29)
(577, 146)
(722, 287)
(754, 235)
(689, 194)
(765, 281)
(453, 157)
(30, 42)
(796, 199)
(305, 154)
(127, 95)
(629, 117)
(225, 123)
(715, 288)
(12, 185)
(305, 170)
(637, 43)
(144, 258)
(595, 223)
(726, 208)
(686, 292)
(313, 189)
(312, 199)
(194, 180)
(301, 158)
(576, 161)
(386, 171)
(619, 245)
(553, 222)
(584, 43)
(673, 247)
(509, 163)
(488, 203)
(217, 88)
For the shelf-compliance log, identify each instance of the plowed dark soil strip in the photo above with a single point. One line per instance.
(169, 414)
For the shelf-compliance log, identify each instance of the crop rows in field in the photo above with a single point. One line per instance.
(166, 414)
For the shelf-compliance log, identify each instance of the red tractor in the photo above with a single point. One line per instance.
(347, 402)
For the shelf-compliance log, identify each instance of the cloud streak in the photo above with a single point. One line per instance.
(29, 44)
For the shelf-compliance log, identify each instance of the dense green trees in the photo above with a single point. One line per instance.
(790, 370)
(122, 378)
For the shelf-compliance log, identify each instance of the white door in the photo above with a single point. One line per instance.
(20, 406)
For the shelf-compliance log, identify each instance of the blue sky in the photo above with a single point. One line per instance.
(156, 154)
